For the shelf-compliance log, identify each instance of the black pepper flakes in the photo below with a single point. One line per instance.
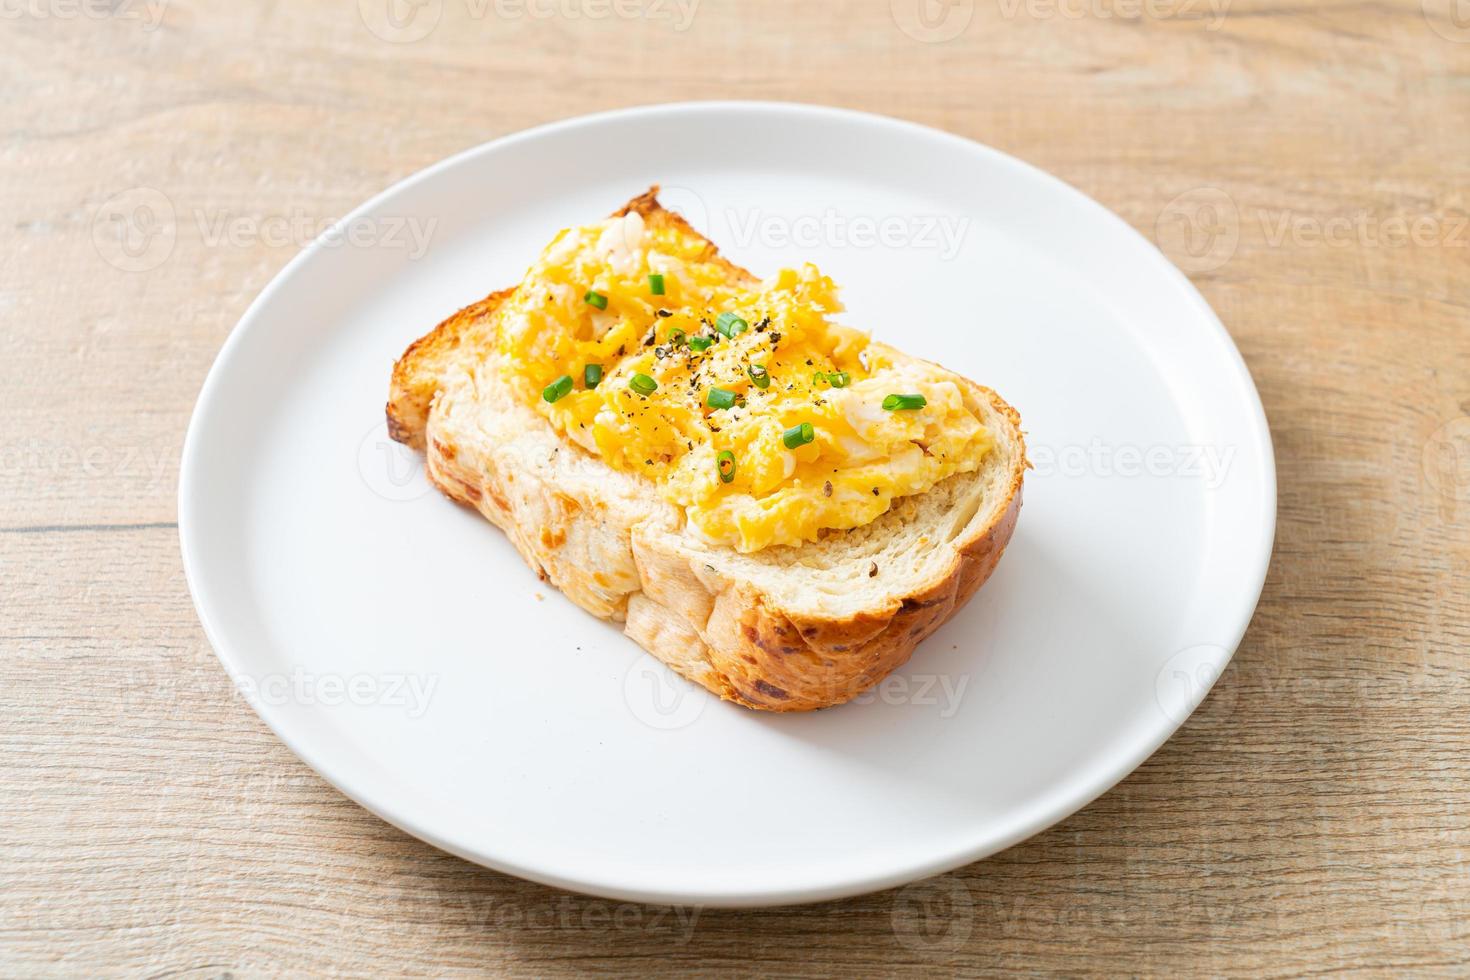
(664, 313)
(827, 489)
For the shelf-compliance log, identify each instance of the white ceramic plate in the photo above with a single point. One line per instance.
(399, 645)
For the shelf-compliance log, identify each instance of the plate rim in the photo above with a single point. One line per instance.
(1043, 811)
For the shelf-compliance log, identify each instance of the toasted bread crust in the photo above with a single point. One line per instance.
(646, 205)
(418, 374)
(723, 633)
(780, 662)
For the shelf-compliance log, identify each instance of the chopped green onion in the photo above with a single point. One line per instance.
(759, 375)
(730, 324)
(592, 375)
(720, 398)
(643, 384)
(818, 378)
(676, 336)
(700, 344)
(656, 284)
(839, 379)
(798, 435)
(596, 299)
(725, 462)
(893, 402)
(559, 388)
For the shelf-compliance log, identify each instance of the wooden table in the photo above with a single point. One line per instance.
(1306, 163)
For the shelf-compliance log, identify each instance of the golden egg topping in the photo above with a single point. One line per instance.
(743, 402)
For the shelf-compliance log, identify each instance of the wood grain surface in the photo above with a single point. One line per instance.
(1307, 163)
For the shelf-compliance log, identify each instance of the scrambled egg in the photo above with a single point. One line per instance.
(795, 437)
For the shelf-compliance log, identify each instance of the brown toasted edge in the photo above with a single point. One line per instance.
(419, 373)
(654, 213)
(781, 661)
(772, 664)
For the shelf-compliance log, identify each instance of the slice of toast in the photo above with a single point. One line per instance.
(784, 628)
